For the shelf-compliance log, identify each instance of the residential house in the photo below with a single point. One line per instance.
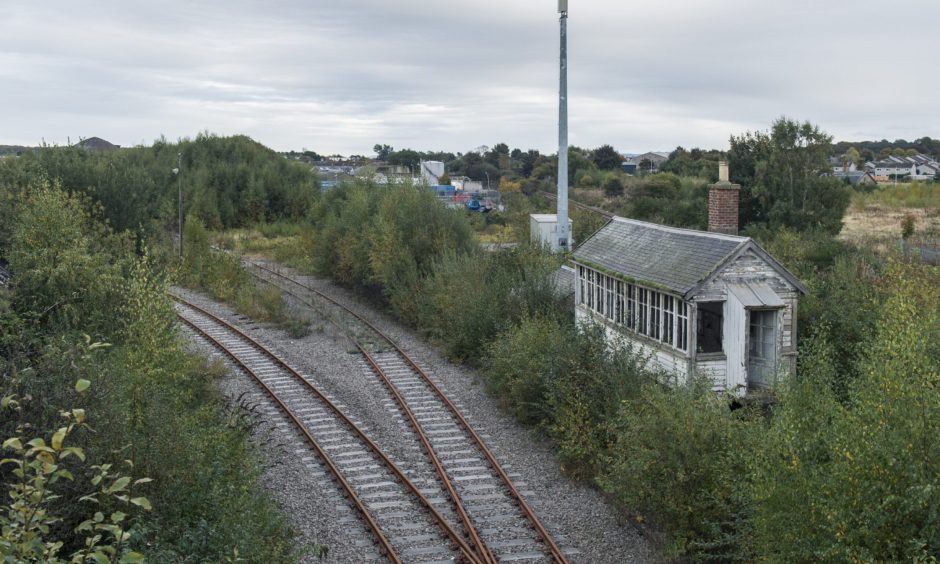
(855, 177)
(917, 167)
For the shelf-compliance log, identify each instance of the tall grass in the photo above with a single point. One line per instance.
(906, 195)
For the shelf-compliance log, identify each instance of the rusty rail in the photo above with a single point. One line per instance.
(387, 549)
(526, 509)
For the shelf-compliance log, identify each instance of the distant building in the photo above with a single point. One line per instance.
(465, 184)
(854, 177)
(646, 162)
(693, 302)
(918, 167)
(431, 172)
(543, 230)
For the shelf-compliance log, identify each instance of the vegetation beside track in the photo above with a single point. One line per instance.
(222, 276)
(76, 283)
(720, 484)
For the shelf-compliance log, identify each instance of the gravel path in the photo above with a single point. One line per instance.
(577, 515)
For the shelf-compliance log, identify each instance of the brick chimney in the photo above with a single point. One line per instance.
(723, 203)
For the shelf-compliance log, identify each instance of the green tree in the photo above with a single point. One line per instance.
(382, 151)
(606, 157)
(858, 481)
(852, 156)
(787, 166)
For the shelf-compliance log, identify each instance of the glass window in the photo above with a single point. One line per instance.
(618, 318)
(642, 303)
(590, 289)
(655, 318)
(580, 284)
(709, 327)
(599, 293)
(631, 306)
(610, 298)
(762, 335)
(682, 327)
(668, 320)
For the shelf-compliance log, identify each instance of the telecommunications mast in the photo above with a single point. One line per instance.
(563, 235)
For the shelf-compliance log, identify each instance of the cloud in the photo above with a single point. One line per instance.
(342, 76)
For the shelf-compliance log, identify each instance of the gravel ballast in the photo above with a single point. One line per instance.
(577, 515)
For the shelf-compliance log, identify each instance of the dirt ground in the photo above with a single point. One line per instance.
(876, 222)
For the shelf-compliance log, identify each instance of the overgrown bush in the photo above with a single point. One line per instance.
(568, 381)
(680, 461)
(467, 299)
(151, 403)
(859, 481)
(223, 277)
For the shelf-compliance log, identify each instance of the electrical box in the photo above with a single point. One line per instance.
(562, 5)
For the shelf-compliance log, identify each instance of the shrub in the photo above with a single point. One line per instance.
(679, 459)
(152, 403)
(858, 482)
(613, 187)
(466, 300)
(566, 380)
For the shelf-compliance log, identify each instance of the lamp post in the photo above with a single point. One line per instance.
(178, 171)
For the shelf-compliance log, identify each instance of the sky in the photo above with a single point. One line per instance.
(341, 76)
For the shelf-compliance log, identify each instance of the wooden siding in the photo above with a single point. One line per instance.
(749, 267)
(715, 370)
(660, 357)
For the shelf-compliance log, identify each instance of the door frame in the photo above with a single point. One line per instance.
(750, 381)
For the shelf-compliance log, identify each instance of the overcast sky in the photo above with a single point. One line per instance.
(340, 76)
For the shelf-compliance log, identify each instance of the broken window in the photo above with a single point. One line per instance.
(709, 327)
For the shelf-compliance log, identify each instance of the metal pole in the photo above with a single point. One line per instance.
(562, 216)
(179, 167)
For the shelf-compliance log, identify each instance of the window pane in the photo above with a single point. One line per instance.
(619, 317)
(654, 314)
(668, 328)
(708, 331)
(631, 306)
(642, 311)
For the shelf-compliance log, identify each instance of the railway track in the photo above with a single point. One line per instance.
(493, 512)
(407, 525)
(581, 206)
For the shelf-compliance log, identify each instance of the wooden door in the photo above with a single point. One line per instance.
(762, 349)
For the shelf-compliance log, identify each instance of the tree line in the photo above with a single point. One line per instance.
(226, 181)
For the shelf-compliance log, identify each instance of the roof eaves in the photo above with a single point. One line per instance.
(736, 252)
(749, 244)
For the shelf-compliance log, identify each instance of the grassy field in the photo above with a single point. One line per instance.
(876, 217)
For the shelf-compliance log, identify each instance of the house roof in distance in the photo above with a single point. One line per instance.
(680, 260)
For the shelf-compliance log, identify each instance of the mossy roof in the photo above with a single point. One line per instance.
(668, 257)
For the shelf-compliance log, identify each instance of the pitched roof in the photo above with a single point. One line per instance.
(680, 260)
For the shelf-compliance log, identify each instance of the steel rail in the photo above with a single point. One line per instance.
(449, 531)
(526, 509)
(387, 549)
(482, 549)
